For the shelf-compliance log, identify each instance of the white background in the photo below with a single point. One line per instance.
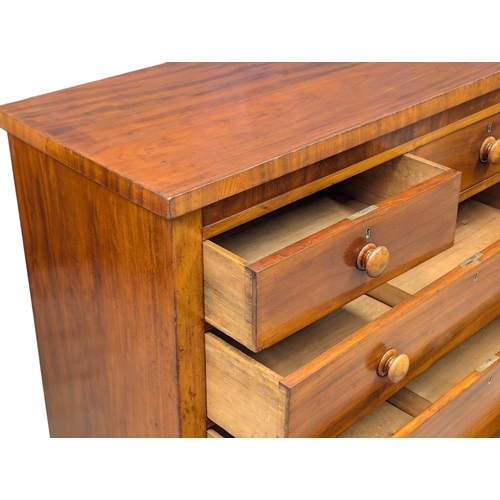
(53, 45)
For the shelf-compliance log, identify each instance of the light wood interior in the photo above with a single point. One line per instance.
(230, 300)
(211, 433)
(295, 351)
(383, 422)
(270, 233)
(455, 366)
(389, 179)
(286, 226)
(478, 226)
(244, 394)
(436, 381)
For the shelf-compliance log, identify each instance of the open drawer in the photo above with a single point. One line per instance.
(459, 396)
(273, 276)
(322, 379)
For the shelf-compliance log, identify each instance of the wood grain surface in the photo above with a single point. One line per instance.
(458, 396)
(383, 422)
(243, 396)
(478, 226)
(342, 384)
(469, 410)
(409, 402)
(117, 301)
(179, 136)
(460, 151)
(465, 389)
(327, 372)
(295, 285)
(247, 205)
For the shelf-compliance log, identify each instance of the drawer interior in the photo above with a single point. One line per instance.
(478, 226)
(270, 233)
(295, 351)
(246, 390)
(271, 277)
(428, 387)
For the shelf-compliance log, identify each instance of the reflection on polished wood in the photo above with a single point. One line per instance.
(179, 136)
(126, 187)
(118, 315)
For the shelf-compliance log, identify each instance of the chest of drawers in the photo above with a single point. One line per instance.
(275, 246)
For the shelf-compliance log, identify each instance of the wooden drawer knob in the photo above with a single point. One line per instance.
(394, 365)
(490, 151)
(373, 260)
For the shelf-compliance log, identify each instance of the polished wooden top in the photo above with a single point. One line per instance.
(179, 136)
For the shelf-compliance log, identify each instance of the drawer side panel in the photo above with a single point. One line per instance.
(243, 396)
(228, 293)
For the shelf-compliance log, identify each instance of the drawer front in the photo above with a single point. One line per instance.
(470, 409)
(460, 151)
(259, 302)
(329, 393)
(424, 327)
(458, 396)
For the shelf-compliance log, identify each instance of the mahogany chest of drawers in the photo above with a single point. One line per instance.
(281, 250)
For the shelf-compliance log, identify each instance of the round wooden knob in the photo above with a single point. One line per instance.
(490, 151)
(394, 365)
(373, 260)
